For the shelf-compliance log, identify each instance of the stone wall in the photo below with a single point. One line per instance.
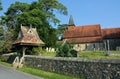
(78, 67)
(8, 58)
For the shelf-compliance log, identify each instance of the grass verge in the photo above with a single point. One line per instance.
(5, 64)
(45, 74)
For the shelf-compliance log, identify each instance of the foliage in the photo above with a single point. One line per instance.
(60, 30)
(39, 14)
(38, 50)
(0, 5)
(49, 6)
(64, 50)
(5, 40)
(42, 52)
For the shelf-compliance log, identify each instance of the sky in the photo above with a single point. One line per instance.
(85, 12)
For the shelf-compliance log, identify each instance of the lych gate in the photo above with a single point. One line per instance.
(27, 37)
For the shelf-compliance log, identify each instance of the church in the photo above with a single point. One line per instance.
(92, 37)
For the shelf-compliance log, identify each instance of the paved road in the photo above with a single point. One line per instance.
(10, 73)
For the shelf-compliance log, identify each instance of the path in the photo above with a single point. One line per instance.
(10, 73)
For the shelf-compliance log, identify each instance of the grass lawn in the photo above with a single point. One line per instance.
(41, 73)
(97, 54)
(51, 54)
(87, 54)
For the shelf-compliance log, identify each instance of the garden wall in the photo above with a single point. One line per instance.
(78, 67)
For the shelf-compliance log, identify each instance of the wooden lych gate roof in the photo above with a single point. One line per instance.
(83, 34)
(28, 36)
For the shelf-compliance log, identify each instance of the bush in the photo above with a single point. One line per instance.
(64, 50)
(38, 50)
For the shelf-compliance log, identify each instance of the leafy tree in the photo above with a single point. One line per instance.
(50, 6)
(39, 14)
(0, 5)
(64, 50)
(60, 30)
(5, 40)
(13, 12)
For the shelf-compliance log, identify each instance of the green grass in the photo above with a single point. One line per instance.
(87, 54)
(45, 74)
(96, 54)
(52, 54)
(5, 64)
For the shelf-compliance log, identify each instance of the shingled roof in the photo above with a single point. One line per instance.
(28, 36)
(111, 33)
(83, 34)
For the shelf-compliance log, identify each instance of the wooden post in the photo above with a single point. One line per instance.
(24, 48)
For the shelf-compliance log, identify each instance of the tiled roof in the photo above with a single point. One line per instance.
(84, 39)
(82, 31)
(28, 36)
(111, 33)
(81, 34)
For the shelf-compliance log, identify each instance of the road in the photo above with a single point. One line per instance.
(10, 73)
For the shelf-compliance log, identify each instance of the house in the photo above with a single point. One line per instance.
(90, 37)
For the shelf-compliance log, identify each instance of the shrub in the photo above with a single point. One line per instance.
(64, 50)
(38, 50)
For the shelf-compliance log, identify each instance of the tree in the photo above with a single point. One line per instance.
(50, 6)
(64, 50)
(13, 12)
(5, 40)
(0, 5)
(39, 14)
(60, 30)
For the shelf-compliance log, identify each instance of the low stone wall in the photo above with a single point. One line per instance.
(8, 58)
(78, 67)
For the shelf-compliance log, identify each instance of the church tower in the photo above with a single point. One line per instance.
(71, 21)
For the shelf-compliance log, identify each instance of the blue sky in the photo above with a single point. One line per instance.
(85, 12)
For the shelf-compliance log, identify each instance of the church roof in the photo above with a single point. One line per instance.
(28, 36)
(82, 34)
(111, 33)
